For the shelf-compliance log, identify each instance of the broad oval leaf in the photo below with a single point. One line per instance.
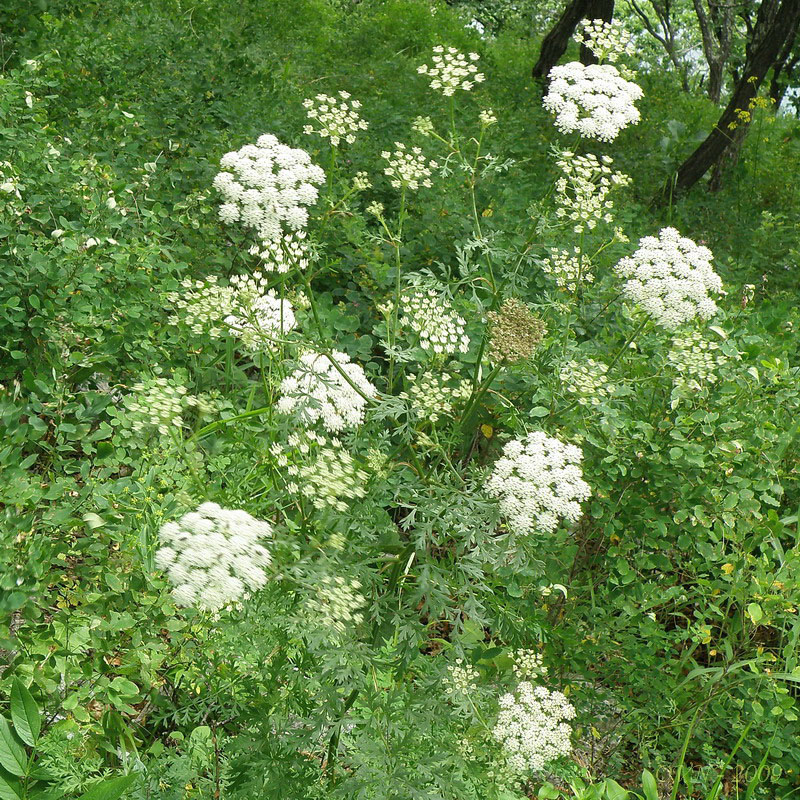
(110, 789)
(12, 753)
(755, 612)
(10, 788)
(614, 791)
(649, 786)
(24, 713)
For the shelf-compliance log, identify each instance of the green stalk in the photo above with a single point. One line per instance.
(327, 352)
(179, 445)
(682, 758)
(331, 170)
(333, 744)
(476, 397)
(396, 310)
(630, 339)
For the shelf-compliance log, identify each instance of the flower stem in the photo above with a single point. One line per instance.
(627, 343)
(473, 402)
(398, 264)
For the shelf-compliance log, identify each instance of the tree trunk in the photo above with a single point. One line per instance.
(598, 9)
(716, 73)
(555, 44)
(716, 27)
(666, 37)
(777, 19)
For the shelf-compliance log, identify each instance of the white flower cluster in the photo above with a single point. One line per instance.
(695, 359)
(586, 380)
(532, 727)
(462, 679)
(452, 70)
(281, 255)
(338, 118)
(596, 101)
(318, 392)
(361, 181)
(266, 186)
(431, 395)
(582, 192)
(330, 478)
(260, 315)
(539, 481)
(607, 40)
(487, 117)
(528, 664)
(336, 603)
(302, 443)
(201, 305)
(670, 277)
(214, 556)
(569, 269)
(408, 168)
(434, 320)
(423, 126)
(158, 403)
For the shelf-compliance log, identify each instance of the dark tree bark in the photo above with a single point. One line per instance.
(555, 44)
(776, 21)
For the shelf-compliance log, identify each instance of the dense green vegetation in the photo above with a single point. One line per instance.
(371, 663)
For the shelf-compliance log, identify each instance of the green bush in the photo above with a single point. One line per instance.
(402, 600)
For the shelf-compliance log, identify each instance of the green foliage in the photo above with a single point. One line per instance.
(667, 614)
(24, 775)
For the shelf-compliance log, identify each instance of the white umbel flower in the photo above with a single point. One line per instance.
(462, 679)
(337, 604)
(361, 181)
(452, 70)
(436, 395)
(670, 277)
(201, 305)
(569, 268)
(330, 478)
(695, 359)
(487, 117)
(408, 169)
(288, 252)
(533, 727)
(260, 317)
(528, 664)
(538, 481)
(214, 556)
(594, 101)
(318, 392)
(267, 186)
(158, 403)
(607, 40)
(582, 192)
(586, 380)
(432, 317)
(423, 126)
(337, 118)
